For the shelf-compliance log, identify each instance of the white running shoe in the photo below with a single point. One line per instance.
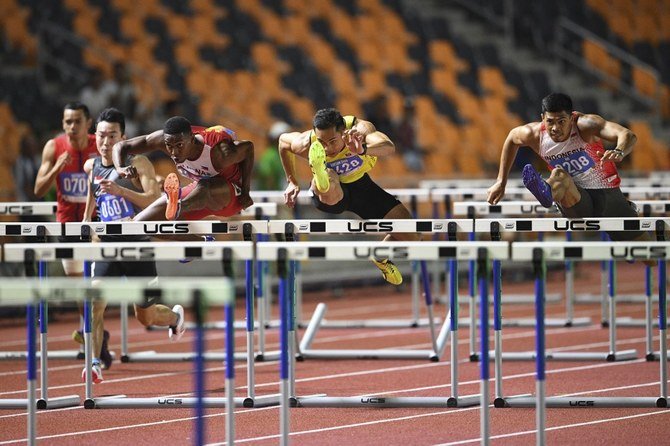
(177, 331)
(96, 373)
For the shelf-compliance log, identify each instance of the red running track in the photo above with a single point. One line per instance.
(360, 426)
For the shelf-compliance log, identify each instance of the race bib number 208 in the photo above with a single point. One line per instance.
(575, 163)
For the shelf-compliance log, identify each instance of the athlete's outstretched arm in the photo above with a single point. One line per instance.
(517, 137)
(291, 145)
(228, 153)
(90, 198)
(50, 168)
(133, 146)
(147, 178)
(378, 143)
(624, 138)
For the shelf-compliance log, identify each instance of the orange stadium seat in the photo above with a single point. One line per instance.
(645, 82)
(599, 59)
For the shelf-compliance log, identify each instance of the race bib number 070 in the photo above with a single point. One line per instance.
(73, 186)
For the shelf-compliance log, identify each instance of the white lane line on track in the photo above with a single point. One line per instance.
(555, 428)
(268, 363)
(132, 426)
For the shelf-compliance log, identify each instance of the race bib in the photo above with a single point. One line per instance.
(114, 208)
(347, 165)
(575, 163)
(73, 186)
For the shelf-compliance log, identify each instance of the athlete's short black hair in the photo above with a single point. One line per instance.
(76, 105)
(557, 102)
(327, 118)
(112, 115)
(177, 125)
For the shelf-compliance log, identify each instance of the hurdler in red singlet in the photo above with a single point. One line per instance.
(63, 161)
(219, 164)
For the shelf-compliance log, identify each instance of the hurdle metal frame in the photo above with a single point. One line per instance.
(244, 228)
(657, 224)
(322, 251)
(39, 231)
(539, 254)
(224, 252)
(476, 209)
(28, 292)
(451, 227)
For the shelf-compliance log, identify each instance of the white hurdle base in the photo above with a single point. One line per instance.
(56, 354)
(622, 355)
(376, 323)
(152, 356)
(42, 404)
(655, 356)
(549, 322)
(177, 402)
(385, 402)
(581, 402)
(239, 325)
(315, 322)
(627, 321)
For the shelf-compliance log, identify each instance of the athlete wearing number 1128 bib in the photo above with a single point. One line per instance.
(341, 150)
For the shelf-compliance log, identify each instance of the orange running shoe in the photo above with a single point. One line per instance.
(173, 192)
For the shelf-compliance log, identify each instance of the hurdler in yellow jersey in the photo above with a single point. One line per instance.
(341, 151)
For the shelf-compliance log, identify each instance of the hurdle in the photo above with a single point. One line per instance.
(205, 291)
(224, 252)
(478, 209)
(373, 227)
(39, 231)
(245, 228)
(350, 251)
(539, 254)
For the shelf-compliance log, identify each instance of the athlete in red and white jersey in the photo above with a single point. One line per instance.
(63, 161)
(584, 181)
(219, 165)
(580, 159)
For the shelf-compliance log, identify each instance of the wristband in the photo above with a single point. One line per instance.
(365, 148)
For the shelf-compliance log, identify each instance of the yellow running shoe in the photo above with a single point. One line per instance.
(317, 162)
(390, 272)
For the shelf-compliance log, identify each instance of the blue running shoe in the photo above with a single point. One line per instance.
(537, 186)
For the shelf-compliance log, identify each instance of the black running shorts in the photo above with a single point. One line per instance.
(363, 197)
(604, 203)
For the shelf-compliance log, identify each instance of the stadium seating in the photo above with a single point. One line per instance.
(250, 62)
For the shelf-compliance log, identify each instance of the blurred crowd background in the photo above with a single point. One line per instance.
(446, 80)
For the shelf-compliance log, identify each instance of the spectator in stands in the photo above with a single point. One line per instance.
(341, 150)
(404, 132)
(25, 168)
(584, 180)
(123, 96)
(97, 94)
(269, 174)
(379, 114)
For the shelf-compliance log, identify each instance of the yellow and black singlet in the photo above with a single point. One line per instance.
(348, 165)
